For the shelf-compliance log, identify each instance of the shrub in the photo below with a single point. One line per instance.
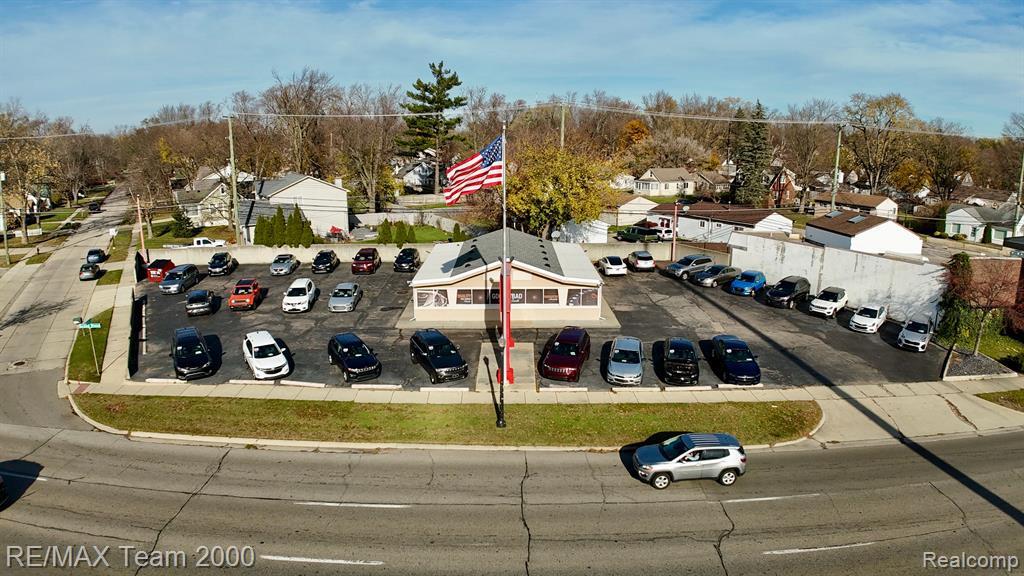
(410, 237)
(959, 237)
(182, 226)
(384, 233)
(401, 233)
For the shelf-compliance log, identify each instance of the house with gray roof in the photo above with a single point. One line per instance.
(323, 204)
(666, 182)
(551, 281)
(971, 222)
(207, 199)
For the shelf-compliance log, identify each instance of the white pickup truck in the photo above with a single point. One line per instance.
(200, 242)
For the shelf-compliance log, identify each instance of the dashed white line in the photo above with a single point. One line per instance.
(322, 560)
(351, 505)
(821, 549)
(769, 498)
(25, 476)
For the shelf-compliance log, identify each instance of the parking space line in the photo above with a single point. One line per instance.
(820, 549)
(769, 498)
(24, 476)
(352, 505)
(376, 386)
(321, 560)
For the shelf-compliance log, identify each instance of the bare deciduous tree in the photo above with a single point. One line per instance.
(877, 147)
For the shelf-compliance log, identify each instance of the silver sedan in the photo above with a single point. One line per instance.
(283, 265)
(626, 362)
(345, 297)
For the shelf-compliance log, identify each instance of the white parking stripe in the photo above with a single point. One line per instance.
(25, 476)
(769, 498)
(823, 548)
(322, 560)
(351, 505)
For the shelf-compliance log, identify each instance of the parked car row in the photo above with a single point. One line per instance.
(915, 334)
(565, 353)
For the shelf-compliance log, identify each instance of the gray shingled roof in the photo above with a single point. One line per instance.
(267, 188)
(530, 250)
(249, 211)
(671, 174)
(985, 214)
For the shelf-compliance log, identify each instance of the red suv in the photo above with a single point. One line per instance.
(367, 261)
(246, 295)
(565, 354)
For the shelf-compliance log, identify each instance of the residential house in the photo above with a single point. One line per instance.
(712, 184)
(207, 199)
(627, 209)
(710, 222)
(249, 212)
(864, 203)
(623, 181)
(324, 205)
(971, 221)
(589, 232)
(782, 186)
(862, 233)
(665, 182)
(416, 176)
(981, 196)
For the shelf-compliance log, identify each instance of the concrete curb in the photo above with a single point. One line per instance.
(302, 384)
(102, 427)
(979, 377)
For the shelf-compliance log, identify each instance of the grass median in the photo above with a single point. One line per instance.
(1013, 399)
(110, 277)
(528, 424)
(81, 365)
(39, 258)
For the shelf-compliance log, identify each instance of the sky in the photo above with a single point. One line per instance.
(114, 63)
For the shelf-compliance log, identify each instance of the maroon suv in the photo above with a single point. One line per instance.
(564, 355)
(367, 261)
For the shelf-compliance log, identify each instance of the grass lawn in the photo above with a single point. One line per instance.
(528, 424)
(81, 365)
(110, 277)
(427, 234)
(14, 260)
(162, 235)
(799, 218)
(53, 219)
(1006, 349)
(427, 206)
(670, 199)
(1013, 399)
(39, 258)
(119, 245)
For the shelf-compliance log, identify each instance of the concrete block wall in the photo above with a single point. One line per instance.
(436, 219)
(906, 287)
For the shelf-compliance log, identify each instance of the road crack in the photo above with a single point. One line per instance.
(956, 412)
(963, 517)
(722, 536)
(522, 509)
(69, 531)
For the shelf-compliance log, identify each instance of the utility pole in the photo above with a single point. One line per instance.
(3, 217)
(142, 232)
(561, 133)
(1016, 209)
(234, 185)
(675, 222)
(835, 173)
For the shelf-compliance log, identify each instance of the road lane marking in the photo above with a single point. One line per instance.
(322, 560)
(769, 498)
(821, 549)
(25, 476)
(351, 505)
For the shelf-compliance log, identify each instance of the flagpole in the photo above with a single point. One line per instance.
(506, 291)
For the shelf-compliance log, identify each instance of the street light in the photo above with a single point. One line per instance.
(3, 219)
(89, 325)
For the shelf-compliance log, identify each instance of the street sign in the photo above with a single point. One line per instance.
(89, 325)
(112, 232)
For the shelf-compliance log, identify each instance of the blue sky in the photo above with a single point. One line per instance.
(115, 62)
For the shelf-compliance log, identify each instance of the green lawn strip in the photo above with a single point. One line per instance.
(81, 365)
(427, 206)
(162, 235)
(110, 277)
(799, 218)
(39, 258)
(1005, 349)
(14, 260)
(119, 245)
(427, 234)
(528, 424)
(1013, 399)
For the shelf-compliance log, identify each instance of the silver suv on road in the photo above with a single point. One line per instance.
(691, 457)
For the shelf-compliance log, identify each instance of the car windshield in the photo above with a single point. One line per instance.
(297, 291)
(406, 255)
(673, 447)
(625, 356)
(87, 267)
(188, 349)
(219, 259)
(265, 351)
(615, 261)
(785, 287)
(919, 327)
(323, 257)
(738, 355)
(446, 349)
(95, 252)
(868, 312)
(243, 290)
(173, 276)
(197, 297)
(829, 296)
(717, 269)
(282, 260)
(686, 261)
(565, 348)
(680, 352)
(357, 351)
(749, 277)
(644, 256)
(363, 257)
(343, 293)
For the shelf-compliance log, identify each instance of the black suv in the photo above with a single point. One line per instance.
(356, 360)
(325, 261)
(787, 291)
(408, 260)
(438, 355)
(191, 357)
(679, 362)
(220, 264)
(733, 358)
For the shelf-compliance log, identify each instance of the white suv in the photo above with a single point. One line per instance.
(868, 319)
(829, 301)
(263, 356)
(300, 296)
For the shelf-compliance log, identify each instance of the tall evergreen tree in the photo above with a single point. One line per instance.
(753, 157)
(294, 231)
(410, 234)
(277, 229)
(400, 234)
(384, 232)
(433, 131)
(306, 239)
(260, 236)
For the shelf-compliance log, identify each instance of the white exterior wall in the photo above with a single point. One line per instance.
(906, 287)
(648, 185)
(775, 222)
(888, 238)
(887, 209)
(827, 238)
(323, 204)
(633, 211)
(592, 232)
(960, 222)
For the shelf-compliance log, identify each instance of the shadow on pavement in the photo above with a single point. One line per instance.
(17, 476)
(626, 452)
(33, 313)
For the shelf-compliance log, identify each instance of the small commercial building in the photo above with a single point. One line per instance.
(864, 203)
(862, 233)
(551, 281)
(710, 222)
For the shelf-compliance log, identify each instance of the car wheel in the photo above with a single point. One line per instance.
(330, 360)
(683, 275)
(714, 284)
(344, 375)
(727, 477)
(661, 480)
(791, 304)
(433, 378)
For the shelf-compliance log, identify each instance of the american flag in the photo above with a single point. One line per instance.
(475, 173)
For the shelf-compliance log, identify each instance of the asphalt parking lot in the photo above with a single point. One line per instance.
(793, 347)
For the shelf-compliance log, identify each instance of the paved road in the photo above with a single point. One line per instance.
(840, 511)
(36, 331)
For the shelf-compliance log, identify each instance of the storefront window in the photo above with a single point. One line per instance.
(551, 296)
(432, 298)
(582, 297)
